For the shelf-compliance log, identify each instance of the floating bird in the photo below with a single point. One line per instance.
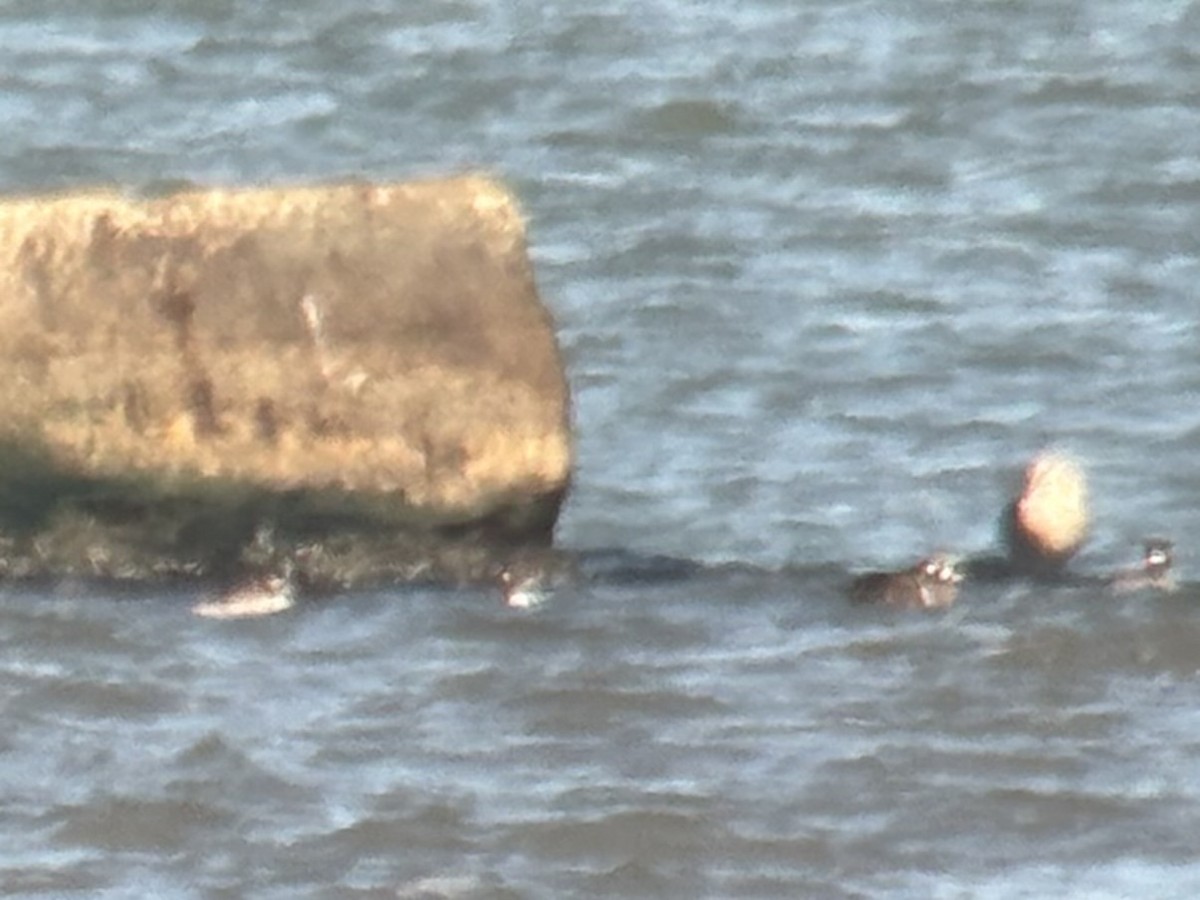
(524, 585)
(259, 596)
(1153, 573)
(930, 584)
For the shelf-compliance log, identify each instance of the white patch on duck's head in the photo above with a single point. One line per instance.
(941, 567)
(1158, 554)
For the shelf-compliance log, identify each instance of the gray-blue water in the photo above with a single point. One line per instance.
(825, 273)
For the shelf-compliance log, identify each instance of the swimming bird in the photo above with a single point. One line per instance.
(1153, 573)
(524, 585)
(930, 584)
(258, 596)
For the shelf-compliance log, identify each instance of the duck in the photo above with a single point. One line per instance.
(1048, 522)
(523, 586)
(1153, 573)
(932, 583)
(262, 595)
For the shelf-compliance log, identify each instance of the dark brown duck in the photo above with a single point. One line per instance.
(1153, 573)
(930, 584)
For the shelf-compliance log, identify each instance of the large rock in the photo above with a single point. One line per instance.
(351, 359)
(1047, 524)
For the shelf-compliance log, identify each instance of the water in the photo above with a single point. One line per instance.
(825, 273)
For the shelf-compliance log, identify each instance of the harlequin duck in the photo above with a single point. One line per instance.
(259, 596)
(930, 584)
(524, 585)
(1154, 572)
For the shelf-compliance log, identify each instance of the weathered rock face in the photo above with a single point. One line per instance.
(1047, 524)
(176, 371)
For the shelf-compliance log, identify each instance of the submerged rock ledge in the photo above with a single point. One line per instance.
(366, 370)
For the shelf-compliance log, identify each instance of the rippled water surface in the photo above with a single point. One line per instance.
(825, 273)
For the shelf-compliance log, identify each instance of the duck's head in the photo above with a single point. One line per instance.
(522, 586)
(1157, 556)
(940, 569)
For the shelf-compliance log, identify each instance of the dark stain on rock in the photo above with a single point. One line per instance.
(36, 257)
(135, 405)
(327, 425)
(441, 458)
(178, 308)
(202, 406)
(266, 421)
(102, 245)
